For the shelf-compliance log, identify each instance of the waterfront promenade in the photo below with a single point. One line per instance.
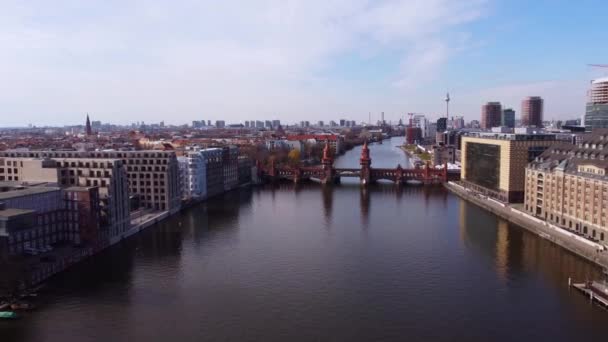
(579, 245)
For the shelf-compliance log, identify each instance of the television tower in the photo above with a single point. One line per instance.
(447, 106)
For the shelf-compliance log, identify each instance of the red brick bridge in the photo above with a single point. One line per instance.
(328, 174)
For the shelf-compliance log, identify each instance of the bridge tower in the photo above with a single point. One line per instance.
(365, 163)
(328, 165)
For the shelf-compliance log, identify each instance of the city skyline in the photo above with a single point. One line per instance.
(237, 61)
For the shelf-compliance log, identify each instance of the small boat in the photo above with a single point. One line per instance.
(8, 315)
(22, 306)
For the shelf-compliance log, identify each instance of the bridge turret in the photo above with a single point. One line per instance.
(365, 159)
(328, 165)
(365, 163)
(327, 159)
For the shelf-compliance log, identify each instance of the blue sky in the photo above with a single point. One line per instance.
(178, 61)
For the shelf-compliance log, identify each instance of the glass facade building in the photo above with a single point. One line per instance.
(485, 170)
(596, 116)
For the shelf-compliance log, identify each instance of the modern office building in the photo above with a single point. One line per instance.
(442, 126)
(567, 186)
(153, 175)
(491, 114)
(493, 164)
(596, 113)
(532, 111)
(276, 124)
(508, 118)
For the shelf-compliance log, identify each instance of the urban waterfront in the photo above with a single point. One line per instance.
(306, 262)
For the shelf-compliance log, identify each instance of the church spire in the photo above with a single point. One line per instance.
(88, 126)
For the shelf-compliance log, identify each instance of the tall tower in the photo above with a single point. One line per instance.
(491, 114)
(532, 111)
(88, 126)
(447, 106)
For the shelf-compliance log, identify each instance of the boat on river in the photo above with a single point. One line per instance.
(8, 315)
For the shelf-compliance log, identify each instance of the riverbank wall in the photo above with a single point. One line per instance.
(576, 244)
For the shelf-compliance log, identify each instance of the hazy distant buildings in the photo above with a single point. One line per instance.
(276, 124)
(596, 113)
(457, 122)
(220, 124)
(532, 111)
(491, 114)
(320, 123)
(268, 124)
(508, 118)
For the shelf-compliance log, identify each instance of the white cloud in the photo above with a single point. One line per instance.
(180, 60)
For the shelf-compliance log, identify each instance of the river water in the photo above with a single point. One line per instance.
(307, 263)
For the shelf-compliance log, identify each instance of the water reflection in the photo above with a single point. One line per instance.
(517, 252)
(364, 206)
(327, 193)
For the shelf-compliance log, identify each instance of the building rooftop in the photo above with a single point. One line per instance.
(26, 192)
(80, 188)
(591, 150)
(11, 212)
(600, 80)
(511, 136)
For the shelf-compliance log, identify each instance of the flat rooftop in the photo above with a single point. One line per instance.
(26, 192)
(12, 212)
(511, 136)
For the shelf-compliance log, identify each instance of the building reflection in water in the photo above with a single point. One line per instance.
(364, 200)
(327, 194)
(516, 251)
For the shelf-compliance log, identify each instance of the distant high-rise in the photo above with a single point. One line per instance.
(89, 131)
(442, 124)
(276, 124)
(320, 124)
(342, 122)
(491, 114)
(220, 124)
(508, 118)
(532, 111)
(596, 113)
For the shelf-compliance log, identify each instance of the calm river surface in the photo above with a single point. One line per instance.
(308, 263)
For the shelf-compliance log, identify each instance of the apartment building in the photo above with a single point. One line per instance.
(193, 174)
(214, 170)
(108, 175)
(230, 167)
(567, 186)
(153, 175)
